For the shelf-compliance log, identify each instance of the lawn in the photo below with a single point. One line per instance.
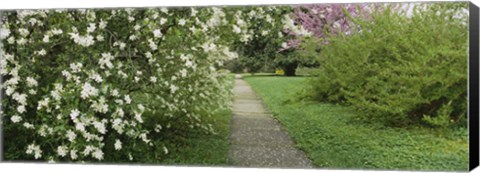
(332, 137)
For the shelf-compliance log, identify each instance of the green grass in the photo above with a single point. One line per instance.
(203, 149)
(332, 137)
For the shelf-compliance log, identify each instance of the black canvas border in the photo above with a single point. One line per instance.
(473, 110)
(473, 91)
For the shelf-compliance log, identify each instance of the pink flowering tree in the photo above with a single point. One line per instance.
(309, 26)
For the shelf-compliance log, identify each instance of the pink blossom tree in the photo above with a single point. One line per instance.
(323, 20)
(311, 25)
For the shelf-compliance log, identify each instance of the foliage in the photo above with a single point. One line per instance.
(400, 68)
(110, 85)
(333, 138)
(234, 65)
(260, 28)
(314, 21)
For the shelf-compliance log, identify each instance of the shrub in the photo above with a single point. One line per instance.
(234, 66)
(400, 68)
(260, 29)
(108, 85)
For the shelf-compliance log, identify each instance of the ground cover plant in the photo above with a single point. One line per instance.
(332, 137)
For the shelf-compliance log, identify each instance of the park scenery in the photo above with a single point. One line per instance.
(323, 86)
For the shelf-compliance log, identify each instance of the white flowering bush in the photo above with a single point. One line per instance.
(108, 85)
(261, 34)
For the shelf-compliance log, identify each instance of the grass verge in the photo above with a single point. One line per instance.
(332, 137)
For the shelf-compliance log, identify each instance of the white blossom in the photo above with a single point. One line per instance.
(4, 33)
(106, 60)
(182, 22)
(88, 149)
(46, 38)
(130, 157)
(165, 150)
(73, 154)
(71, 135)
(132, 37)
(118, 144)
(131, 19)
(10, 40)
(84, 41)
(102, 24)
(158, 127)
(42, 52)
(153, 79)
(76, 67)
(164, 10)
(80, 126)
(183, 72)
(21, 41)
(21, 109)
(236, 29)
(163, 21)
(97, 78)
(138, 117)
(91, 28)
(152, 44)
(43, 103)
(23, 32)
(173, 88)
(100, 37)
(35, 150)
(74, 114)
(157, 33)
(20, 98)
(148, 55)
(88, 90)
(100, 127)
(136, 27)
(115, 93)
(28, 125)
(98, 154)
(127, 98)
(122, 46)
(62, 151)
(57, 31)
(31, 82)
(100, 106)
(16, 119)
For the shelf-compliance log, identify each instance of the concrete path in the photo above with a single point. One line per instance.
(257, 140)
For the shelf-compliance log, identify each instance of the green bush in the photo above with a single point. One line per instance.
(234, 66)
(400, 68)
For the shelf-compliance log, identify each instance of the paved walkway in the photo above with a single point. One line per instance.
(257, 140)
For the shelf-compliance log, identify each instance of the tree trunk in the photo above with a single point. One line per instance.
(290, 69)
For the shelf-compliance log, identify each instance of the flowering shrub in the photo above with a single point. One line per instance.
(401, 68)
(102, 85)
(260, 29)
